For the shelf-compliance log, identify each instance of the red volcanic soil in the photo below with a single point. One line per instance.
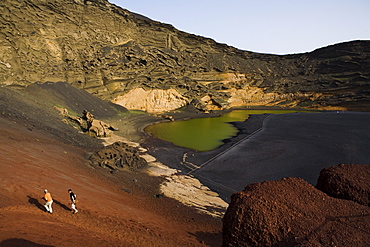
(118, 209)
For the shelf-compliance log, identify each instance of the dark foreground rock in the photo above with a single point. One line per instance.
(119, 155)
(291, 212)
(350, 182)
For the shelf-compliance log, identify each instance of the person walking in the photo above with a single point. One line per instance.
(49, 201)
(73, 198)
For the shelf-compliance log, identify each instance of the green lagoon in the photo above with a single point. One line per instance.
(204, 134)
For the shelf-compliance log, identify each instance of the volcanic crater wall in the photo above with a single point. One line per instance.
(109, 51)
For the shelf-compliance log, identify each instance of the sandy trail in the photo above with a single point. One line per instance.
(184, 188)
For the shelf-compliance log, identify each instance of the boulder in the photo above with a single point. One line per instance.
(350, 182)
(92, 126)
(291, 212)
(100, 129)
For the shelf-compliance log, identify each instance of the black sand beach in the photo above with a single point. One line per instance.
(271, 147)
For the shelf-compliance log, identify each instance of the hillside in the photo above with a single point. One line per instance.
(108, 215)
(124, 208)
(142, 64)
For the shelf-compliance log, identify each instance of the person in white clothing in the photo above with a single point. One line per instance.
(49, 201)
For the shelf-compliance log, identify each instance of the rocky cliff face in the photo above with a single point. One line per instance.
(111, 52)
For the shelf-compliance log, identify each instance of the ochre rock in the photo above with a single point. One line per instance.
(100, 129)
(152, 101)
(92, 126)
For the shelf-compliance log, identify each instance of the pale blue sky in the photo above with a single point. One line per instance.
(267, 26)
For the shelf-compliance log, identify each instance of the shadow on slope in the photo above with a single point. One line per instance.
(34, 107)
(20, 242)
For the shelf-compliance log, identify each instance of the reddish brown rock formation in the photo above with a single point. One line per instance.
(291, 212)
(350, 182)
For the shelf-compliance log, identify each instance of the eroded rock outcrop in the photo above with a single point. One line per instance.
(90, 125)
(291, 212)
(117, 156)
(152, 101)
(350, 182)
(52, 41)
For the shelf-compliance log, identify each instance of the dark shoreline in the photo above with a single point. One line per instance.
(160, 148)
(325, 139)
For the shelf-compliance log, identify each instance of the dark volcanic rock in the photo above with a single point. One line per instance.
(291, 212)
(350, 182)
(117, 156)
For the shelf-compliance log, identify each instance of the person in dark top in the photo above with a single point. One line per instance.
(73, 198)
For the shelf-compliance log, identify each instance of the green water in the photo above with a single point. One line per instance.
(204, 134)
